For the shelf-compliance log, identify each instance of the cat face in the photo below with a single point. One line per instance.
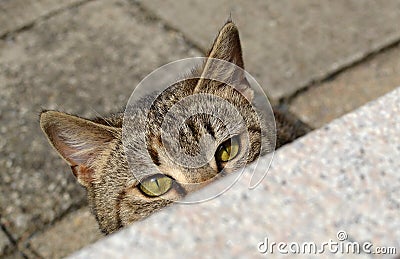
(130, 172)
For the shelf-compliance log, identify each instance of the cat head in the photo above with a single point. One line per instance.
(130, 174)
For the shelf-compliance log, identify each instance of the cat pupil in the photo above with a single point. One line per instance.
(156, 185)
(228, 150)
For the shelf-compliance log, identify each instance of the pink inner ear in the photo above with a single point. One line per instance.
(78, 141)
(83, 174)
(74, 154)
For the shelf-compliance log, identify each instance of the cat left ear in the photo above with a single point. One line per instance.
(227, 47)
(80, 142)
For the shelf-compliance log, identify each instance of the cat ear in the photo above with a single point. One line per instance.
(226, 47)
(78, 141)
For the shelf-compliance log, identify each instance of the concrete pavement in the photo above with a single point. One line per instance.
(85, 57)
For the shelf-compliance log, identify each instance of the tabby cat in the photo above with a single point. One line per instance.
(95, 151)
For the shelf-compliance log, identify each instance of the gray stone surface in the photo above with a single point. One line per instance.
(287, 44)
(358, 85)
(342, 177)
(86, 57)
(15, 255)
(4, 242)
(85, 60)
(15, 14)
(79, 228)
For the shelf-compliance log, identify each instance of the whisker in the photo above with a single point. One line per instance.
(100, 116)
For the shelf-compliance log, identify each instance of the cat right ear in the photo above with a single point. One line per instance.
(227, 48)
(78, 141)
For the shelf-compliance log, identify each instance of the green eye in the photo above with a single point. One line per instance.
(156, 185)
(227, 150)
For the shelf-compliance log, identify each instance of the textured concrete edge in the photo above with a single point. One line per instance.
(115, 244)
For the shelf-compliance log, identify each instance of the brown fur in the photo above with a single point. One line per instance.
(94, 150)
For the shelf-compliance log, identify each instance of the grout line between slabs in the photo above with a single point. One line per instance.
(43, 17)
(340, 70)
(153, 16)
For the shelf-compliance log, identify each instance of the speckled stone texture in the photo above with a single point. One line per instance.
(73, 232)
(343, 176)
(4, 242)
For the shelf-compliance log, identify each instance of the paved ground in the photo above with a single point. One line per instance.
(85, 57)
